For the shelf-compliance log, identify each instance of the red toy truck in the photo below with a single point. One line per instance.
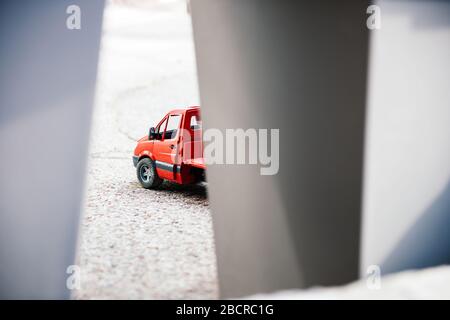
(173, 150)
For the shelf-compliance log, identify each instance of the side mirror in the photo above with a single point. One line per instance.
(151, 133)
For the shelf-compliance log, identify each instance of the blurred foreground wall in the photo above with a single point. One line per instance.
(302, 67)
(407, 167)
(47, 84)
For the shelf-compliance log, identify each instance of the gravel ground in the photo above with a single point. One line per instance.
(137, 243)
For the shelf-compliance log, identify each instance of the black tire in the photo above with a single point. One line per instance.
(147, 175)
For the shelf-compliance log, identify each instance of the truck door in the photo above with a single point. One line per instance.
(166, 148)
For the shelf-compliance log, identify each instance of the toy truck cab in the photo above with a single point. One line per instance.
(173, 150)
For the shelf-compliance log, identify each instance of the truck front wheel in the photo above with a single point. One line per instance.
(147, 175)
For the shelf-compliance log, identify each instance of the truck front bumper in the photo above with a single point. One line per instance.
(135, 160)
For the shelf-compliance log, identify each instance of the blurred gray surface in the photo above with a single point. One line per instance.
(47, 85)
(407, 160)
(300, 67)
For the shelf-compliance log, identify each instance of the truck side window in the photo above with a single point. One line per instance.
(196, 123)
(172, 126)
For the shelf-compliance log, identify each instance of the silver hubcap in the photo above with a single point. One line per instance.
(146, 173)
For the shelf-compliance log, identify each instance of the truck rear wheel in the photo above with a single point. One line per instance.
(147, 175)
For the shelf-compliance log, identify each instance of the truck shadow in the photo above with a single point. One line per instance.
(198, 190)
